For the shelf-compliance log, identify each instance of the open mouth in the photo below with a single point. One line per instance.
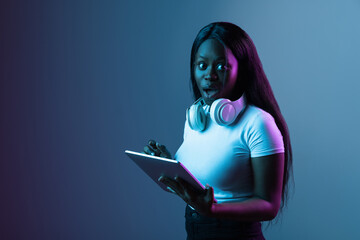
(210, 92)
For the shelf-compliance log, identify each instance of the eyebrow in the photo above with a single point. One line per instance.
(202, 57)
(220, 58)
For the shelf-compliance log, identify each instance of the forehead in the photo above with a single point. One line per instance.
(211, 48)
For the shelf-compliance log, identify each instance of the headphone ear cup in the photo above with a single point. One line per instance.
(223, 112)
(196, 117)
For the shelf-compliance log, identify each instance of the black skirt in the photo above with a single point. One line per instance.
(199, 227)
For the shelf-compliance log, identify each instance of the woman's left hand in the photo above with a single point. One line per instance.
(201, 201)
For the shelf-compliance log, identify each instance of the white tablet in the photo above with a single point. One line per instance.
(155, 167)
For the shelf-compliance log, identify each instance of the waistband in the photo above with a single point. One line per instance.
(193, 216)
(202, 227)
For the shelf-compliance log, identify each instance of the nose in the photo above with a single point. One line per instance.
(211, 74)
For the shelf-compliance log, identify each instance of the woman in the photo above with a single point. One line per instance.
(236, 140)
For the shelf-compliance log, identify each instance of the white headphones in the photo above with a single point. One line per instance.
(222, 111)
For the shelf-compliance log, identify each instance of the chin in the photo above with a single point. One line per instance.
(209, 101)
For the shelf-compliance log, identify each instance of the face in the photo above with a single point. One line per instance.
(215, 70)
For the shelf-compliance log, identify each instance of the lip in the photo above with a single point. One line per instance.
(210, 92)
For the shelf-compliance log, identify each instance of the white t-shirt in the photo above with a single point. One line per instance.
(220, 155)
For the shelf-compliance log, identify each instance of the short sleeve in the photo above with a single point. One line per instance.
(264, 137)
(186, 129)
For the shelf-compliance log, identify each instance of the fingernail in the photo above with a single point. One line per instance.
(160, 179)
(152, 154)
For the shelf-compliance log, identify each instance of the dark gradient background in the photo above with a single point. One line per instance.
(81, 81)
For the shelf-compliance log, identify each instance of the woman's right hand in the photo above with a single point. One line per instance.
(156, 149)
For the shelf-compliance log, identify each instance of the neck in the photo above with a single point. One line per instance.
(240, 103)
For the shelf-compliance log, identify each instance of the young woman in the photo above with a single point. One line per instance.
(236, 141)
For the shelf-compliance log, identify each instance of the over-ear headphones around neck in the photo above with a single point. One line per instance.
(222, 111)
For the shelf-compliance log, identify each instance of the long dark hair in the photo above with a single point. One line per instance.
(251, 81)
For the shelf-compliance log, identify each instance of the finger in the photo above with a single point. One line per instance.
(149, 150)
(209, 197)
(171, 190)
(163, 150)
(173, 185)
(152, 143)
(190, 193)
(212, 194)
(182, 182)
(161, 179)
(154, 150)
(185, 184)
(207, 192)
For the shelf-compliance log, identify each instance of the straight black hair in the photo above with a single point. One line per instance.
(251, 81)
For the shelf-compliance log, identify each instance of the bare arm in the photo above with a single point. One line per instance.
(264, 205)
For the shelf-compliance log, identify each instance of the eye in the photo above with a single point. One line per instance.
(221, 67)
(202, 65)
